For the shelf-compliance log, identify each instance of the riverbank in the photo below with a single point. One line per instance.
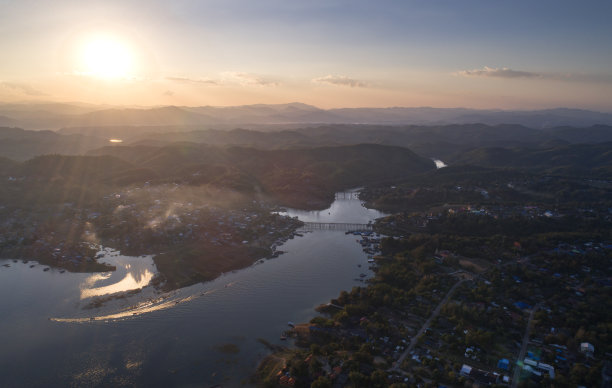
(80, 258)
(361, 337)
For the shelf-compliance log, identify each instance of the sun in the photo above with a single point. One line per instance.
(107, 57)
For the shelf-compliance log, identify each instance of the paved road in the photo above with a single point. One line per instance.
(521, 357)
(425, 326)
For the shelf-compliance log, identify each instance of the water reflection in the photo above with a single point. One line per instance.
(128, 283)
(130, 274)
(347, 208)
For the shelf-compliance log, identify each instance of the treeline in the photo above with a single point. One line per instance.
(488, 186)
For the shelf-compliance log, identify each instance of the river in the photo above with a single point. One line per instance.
(202, 335)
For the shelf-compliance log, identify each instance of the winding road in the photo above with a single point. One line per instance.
(415, 339)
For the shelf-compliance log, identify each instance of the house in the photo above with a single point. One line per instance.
(587, 349)
(537, 368)
(504, 364)
(465, 370)
(522, 305)
(478, 375)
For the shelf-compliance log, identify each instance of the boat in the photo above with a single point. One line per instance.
(362, 275)
(291, 324)
(283, 337)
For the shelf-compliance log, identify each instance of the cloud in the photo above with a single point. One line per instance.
(168, 93)
(229, 78)
(340, 80)
(504, 72)
(206, 81)
(247, 79)
(494, 72)
(22, 89)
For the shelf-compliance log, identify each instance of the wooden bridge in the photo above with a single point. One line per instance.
(336, 226)
(352, 195)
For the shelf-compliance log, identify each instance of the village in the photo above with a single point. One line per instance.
(155, 216)
(146, 220)
(474, 294)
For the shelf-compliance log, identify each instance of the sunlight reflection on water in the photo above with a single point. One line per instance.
(130, 274)
(128, 283)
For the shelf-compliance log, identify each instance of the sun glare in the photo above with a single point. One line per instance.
(107, 58)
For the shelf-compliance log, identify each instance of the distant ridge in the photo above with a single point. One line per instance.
(439, 141)
(56, 116)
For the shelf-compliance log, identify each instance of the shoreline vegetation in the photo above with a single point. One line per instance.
(80, 259)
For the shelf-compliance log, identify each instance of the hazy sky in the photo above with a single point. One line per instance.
(329, 53)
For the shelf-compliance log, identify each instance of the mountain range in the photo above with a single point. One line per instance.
(54, 116)
(447, 142)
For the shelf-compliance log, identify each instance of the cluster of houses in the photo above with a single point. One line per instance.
(133, 222)
(138, 219)
(57, 238)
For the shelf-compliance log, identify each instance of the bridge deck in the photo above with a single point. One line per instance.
(336, 226)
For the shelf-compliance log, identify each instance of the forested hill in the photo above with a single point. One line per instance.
(303, 177)
(590, 160)
(20, 144)
(430, 141)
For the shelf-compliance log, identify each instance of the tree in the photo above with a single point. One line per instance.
(378, 379)
(315, 349)
(359, 380)
(578, 373)
(321, 382)
(299, 368)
